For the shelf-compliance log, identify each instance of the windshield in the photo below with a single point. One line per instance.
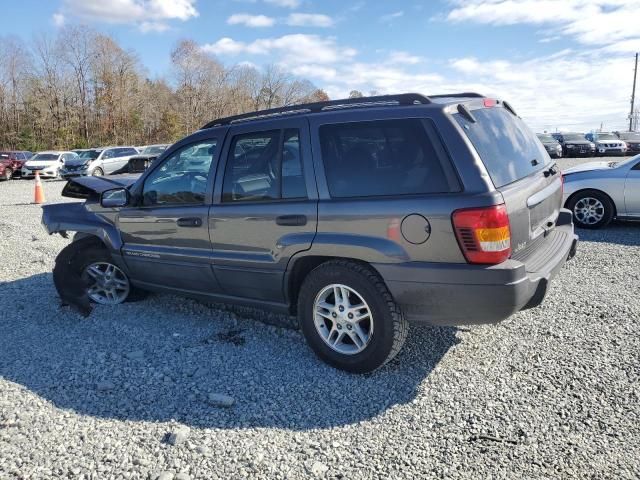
(546, 138)
(89, 154)
(630, 136)
(509, 150)
(45, 157)
(154, 149)
(607, 136)
(572, 137)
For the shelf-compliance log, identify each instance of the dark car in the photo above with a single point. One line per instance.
(551, 145)
(136, 164)
(575, 145)
(632, 139)
(13, 160)
(356, 215)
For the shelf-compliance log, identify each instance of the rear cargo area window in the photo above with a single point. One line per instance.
(381, 158)
(508, 149)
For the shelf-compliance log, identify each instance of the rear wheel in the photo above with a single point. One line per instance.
(349, 318)
(97, 172)
(591, 209)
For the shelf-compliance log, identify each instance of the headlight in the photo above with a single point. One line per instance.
(592, 145)
(570, 146)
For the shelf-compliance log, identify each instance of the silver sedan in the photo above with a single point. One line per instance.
(597, 192)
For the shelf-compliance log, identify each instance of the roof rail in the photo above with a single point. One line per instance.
(457, 95)
(375, 101)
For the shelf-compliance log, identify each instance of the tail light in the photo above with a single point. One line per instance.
(484, 234)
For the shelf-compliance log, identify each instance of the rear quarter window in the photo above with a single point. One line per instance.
(507, 147)
(383, 158)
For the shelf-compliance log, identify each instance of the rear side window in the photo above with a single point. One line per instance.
(381, 158)
(509, 150)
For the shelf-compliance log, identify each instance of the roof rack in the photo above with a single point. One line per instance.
(458, 95)
(375, 101)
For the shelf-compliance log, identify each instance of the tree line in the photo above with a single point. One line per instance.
(80, 88)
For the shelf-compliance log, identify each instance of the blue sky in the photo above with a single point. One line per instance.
(563, 64)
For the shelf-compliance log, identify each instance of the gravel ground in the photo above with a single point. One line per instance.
(171, 388)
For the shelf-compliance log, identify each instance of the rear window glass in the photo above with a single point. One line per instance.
(379, 158)
(509, 150)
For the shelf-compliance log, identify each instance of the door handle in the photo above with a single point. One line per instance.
(189, 222)
(292, 220)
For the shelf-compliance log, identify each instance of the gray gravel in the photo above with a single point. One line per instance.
(550, 393)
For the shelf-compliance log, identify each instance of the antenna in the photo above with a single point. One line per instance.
(633, 94)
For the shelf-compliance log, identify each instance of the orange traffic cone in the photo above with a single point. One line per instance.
(39, 195)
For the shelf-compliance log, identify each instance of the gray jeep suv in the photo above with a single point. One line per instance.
(357, 215)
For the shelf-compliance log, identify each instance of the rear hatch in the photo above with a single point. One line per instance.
(521, 170)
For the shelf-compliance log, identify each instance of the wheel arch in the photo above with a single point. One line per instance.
(299, 268)
(588, 189)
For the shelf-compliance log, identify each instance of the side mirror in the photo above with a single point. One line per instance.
(117, 197)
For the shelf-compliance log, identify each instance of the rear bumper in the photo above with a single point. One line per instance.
(460, 294)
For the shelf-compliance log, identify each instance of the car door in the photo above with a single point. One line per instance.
(106, 161)
(265, 207)
(632, 191)
(165, 234)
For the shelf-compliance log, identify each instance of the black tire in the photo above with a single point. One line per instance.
(8, 173)
(391, 328)
(97, 172)
(69, 267)
(608, 208)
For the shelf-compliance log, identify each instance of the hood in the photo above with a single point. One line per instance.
(609, 142)
(578, 142)
(587, 167)
(77, 161)
(40, 163)
(86, 187)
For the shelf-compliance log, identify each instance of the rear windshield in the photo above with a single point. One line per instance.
(509, 150)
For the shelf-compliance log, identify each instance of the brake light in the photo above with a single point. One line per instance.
(483, 234)
(489, 102)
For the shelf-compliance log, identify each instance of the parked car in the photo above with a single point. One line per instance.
(48, 163)
(13, 161)
(136, 164)
(575, 145)
(391, 209)
(632, 140)
(154, 149)
(598, 192)
(551, 145)
(6, 173)
(98, 161)
(607, 143)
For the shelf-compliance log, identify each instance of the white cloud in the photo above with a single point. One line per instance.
(284, 3)
(149, 15)
(58, 19)
(254, 21)
(403, 58)
(158, 27)
(293, 49)
(392, 16)
(309, 20)
(591, 22)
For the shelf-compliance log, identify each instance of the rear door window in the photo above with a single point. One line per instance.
(508, 149)
(381, 158)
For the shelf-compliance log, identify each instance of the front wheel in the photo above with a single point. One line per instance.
(591, 209)
(349, 318)
(8, 173)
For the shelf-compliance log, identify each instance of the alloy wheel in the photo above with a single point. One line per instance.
(343, 319)
(107, 284)
(589, 210)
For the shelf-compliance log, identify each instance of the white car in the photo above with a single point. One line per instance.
(98, 161)
(48, 163)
